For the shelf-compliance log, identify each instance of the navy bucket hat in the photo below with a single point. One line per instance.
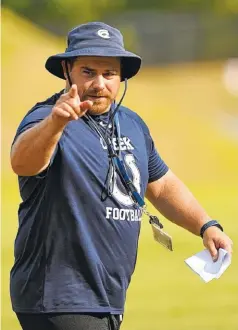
(95, 39)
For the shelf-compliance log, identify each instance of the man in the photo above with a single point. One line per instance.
(79, 221)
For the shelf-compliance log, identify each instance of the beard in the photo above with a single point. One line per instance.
(99, 106)
(101, 102)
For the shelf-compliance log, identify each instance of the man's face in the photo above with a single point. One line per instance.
(98, 80)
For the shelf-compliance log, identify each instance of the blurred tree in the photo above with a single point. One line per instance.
(60, 15)
(225, 6)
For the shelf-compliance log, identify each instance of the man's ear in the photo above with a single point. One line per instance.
(63, 63)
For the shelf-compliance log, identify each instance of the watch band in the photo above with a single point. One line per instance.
(210, 224)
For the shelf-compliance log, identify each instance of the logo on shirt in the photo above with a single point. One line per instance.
(122, 143)
(105, 125)
(124, 214)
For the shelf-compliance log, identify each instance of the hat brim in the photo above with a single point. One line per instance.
(131, 63)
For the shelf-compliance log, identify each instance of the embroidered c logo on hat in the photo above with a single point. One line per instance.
(104, 34)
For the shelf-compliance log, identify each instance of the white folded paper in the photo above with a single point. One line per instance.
(202, 264)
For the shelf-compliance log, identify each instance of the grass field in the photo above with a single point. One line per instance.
(184, 107)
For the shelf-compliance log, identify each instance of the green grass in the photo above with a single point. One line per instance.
(182, 105)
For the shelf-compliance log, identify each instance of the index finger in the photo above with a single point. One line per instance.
(73, 92)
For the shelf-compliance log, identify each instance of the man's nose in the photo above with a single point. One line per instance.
(99, 83)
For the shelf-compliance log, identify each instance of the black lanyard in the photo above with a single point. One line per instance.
(121, 169)
(116, 163)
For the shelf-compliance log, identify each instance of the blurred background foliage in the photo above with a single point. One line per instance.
(60, 15)
(190, 30)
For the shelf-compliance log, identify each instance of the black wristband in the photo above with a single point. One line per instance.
(210, 224)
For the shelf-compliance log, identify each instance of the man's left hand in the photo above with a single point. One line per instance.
(214, 239)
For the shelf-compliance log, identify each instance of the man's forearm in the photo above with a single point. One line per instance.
(174, 200)
(32, 151)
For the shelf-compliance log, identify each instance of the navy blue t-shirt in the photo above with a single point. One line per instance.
(73, 251)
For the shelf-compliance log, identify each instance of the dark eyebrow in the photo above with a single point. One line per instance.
(112, 69)
(92, 70)
(88, 69)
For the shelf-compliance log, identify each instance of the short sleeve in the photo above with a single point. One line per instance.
(32, 118)
(156, 166)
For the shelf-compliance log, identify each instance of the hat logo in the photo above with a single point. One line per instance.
(104, 34)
